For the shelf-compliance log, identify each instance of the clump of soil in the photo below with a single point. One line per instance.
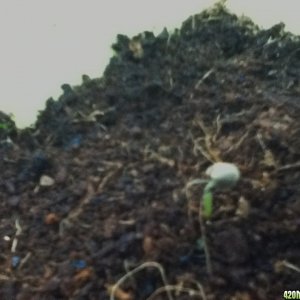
(97, 186)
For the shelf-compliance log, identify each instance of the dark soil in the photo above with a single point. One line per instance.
(97, 186)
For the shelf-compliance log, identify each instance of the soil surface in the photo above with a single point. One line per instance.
(96, 187)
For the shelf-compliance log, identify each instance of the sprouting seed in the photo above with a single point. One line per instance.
(222, 175)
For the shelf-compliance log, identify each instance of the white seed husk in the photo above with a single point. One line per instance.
(223, 175)
(46, 180)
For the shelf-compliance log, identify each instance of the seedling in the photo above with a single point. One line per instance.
(221, 176)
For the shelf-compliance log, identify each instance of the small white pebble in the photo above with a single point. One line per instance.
(46, 180)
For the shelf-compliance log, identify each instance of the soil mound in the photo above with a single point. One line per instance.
(97, 186)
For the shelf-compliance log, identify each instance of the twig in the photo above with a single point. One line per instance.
(206, 75)
(239, 142)
(209, 138)
(107, 178)
(290, 266)
(24, 260)
(198, 147)
(18, 233)
(86, 198)
(150, 264)
(295, 165)
(190, 292)
(269, 159)
(200, 288)
(75, 212)
(163, 160)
